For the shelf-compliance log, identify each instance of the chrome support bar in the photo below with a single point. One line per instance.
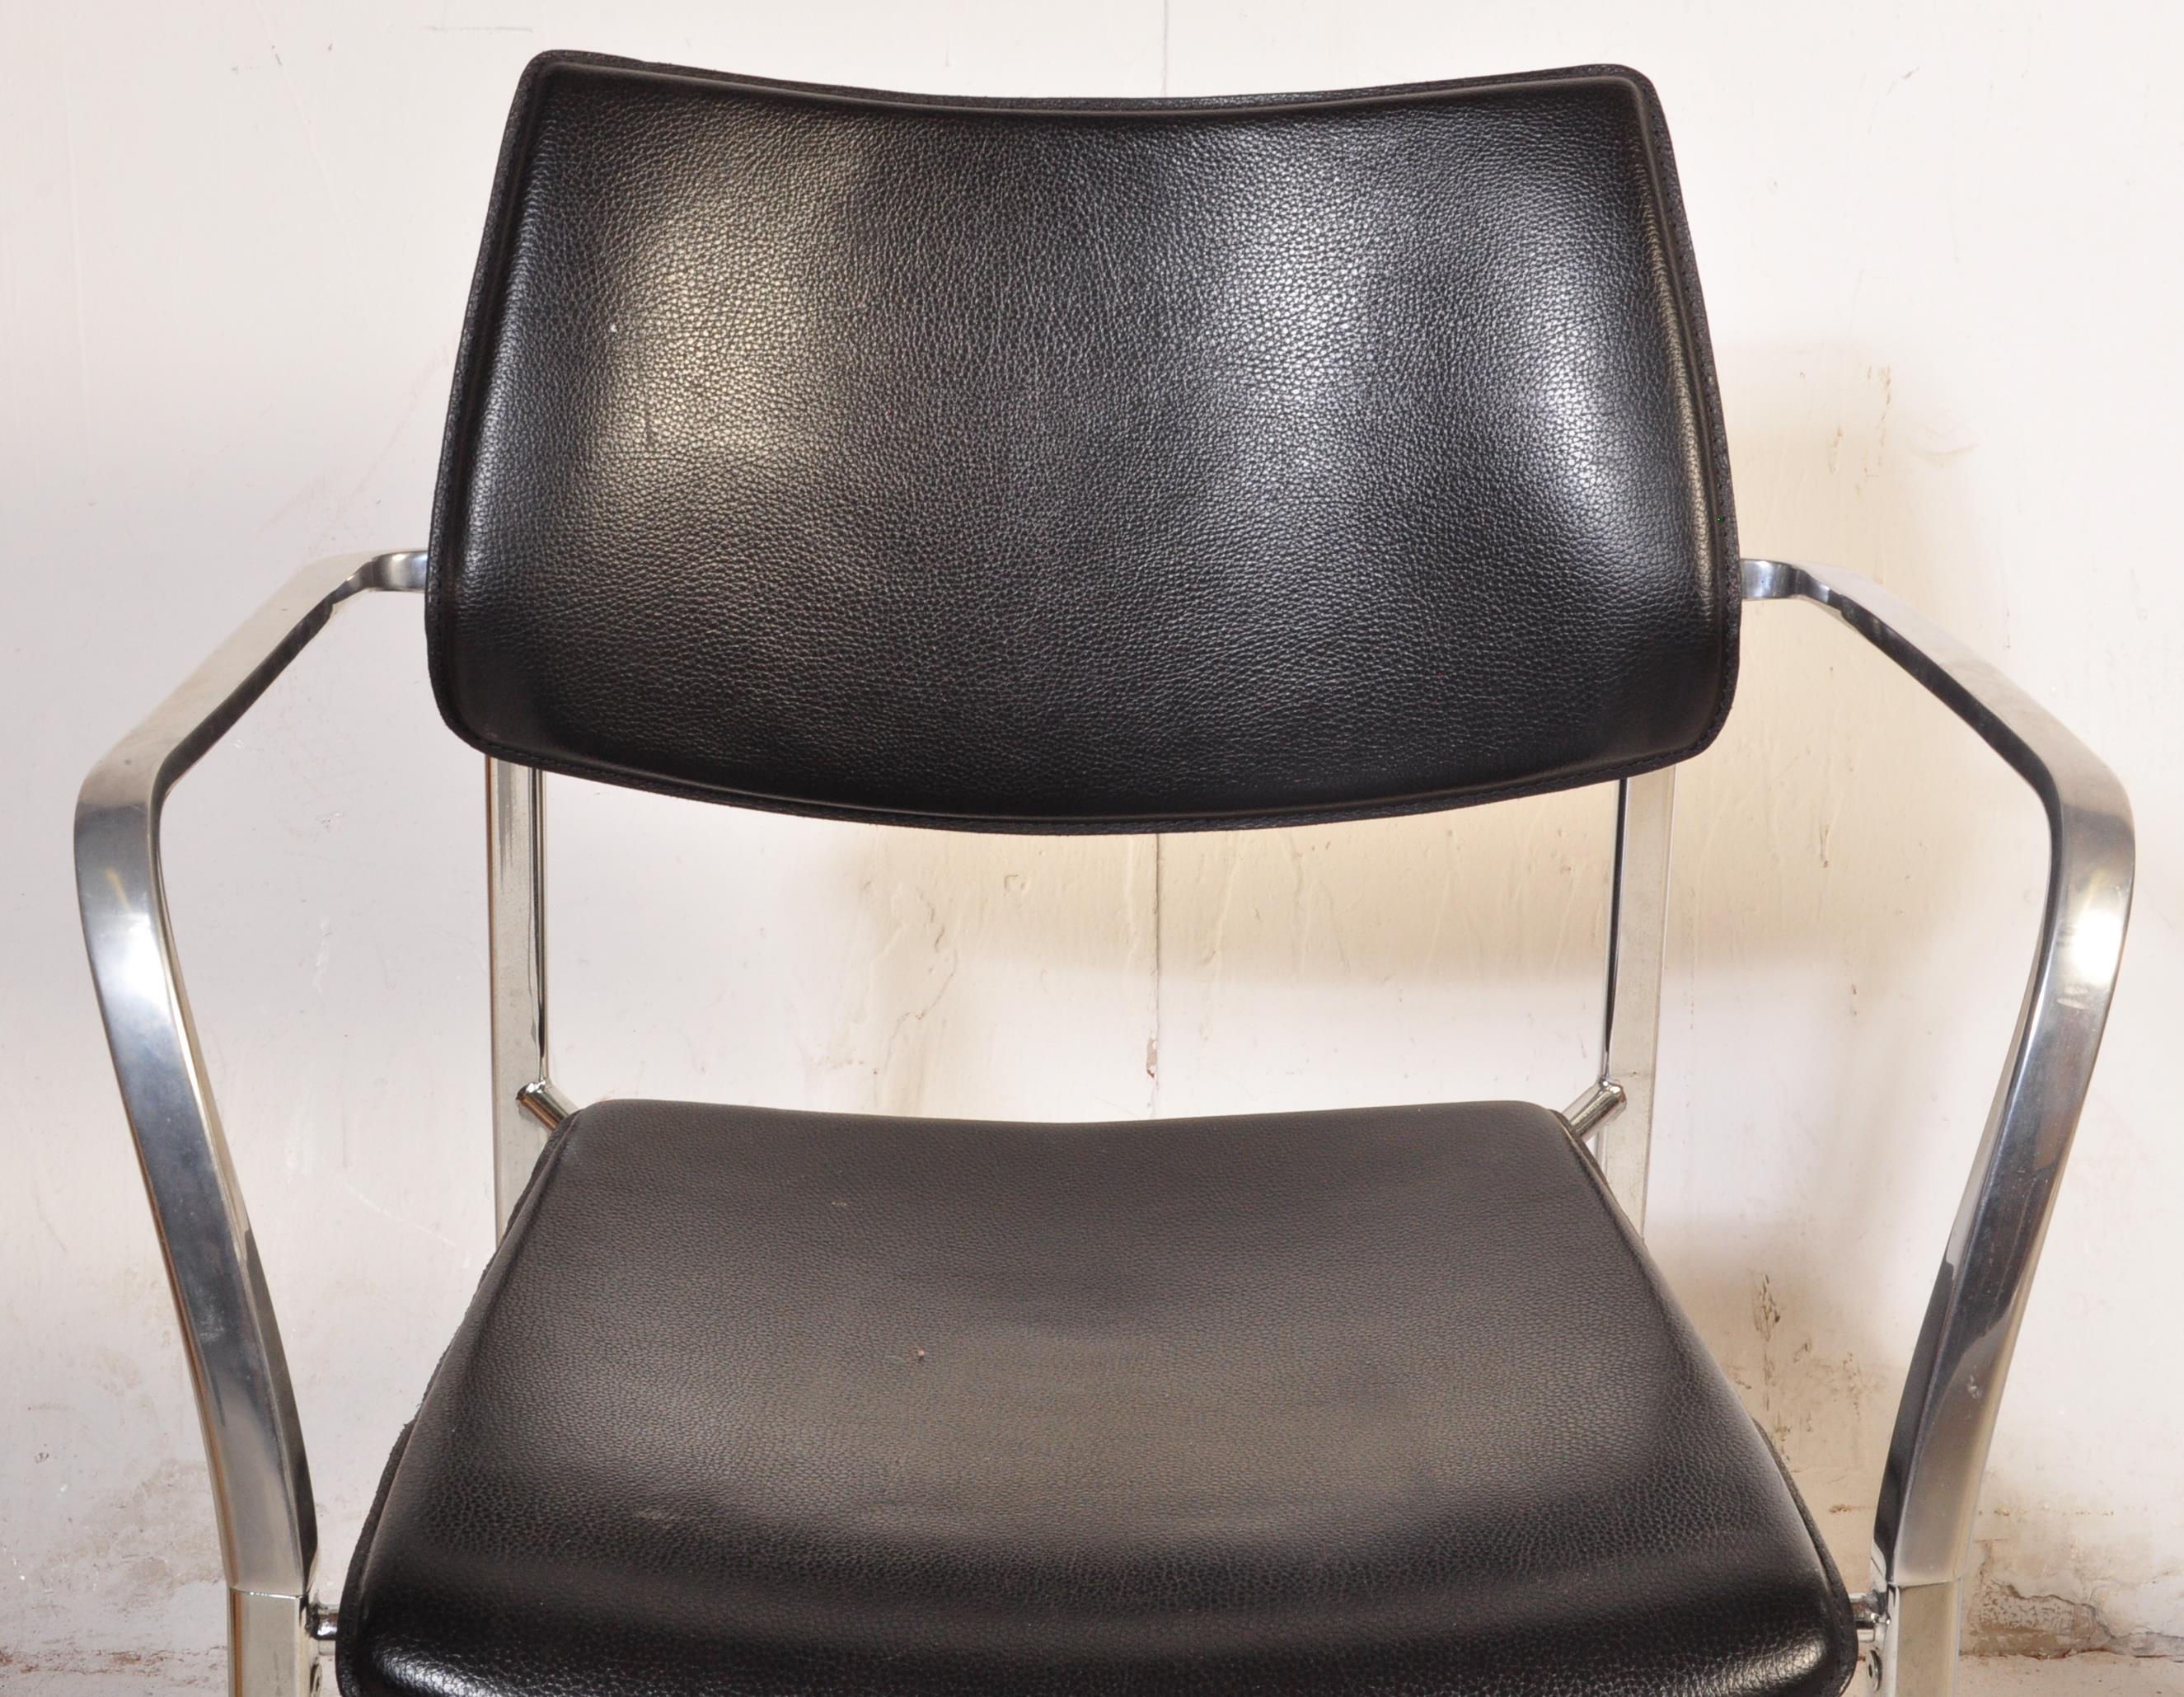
(1922, 1531)
(1637, 927)
(253, 1444)
(515, 923)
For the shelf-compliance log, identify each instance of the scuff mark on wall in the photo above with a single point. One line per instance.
(1799, 1391)
(156, 1533)
(2001, 1620)
(2044, 1587)
(160, 1669)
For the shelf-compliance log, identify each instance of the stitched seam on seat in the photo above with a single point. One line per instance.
(1836, 1673)
(1842, 1635)
(351, 1619)
(496, 1272)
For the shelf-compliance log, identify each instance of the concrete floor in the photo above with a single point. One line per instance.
(2076, 1676)
(2073, 1676)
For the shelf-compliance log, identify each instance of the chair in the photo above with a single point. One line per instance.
(1063, 466)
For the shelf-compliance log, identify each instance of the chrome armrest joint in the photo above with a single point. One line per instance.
(542, 1100)
(1585, 1115)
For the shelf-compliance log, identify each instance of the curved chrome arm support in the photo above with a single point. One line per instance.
(1922, 1532)
(261, 1485)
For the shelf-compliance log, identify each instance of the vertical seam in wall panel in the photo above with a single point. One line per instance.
(1160, 856)
(1153, 1048)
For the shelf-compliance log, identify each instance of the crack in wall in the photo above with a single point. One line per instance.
(1797, 1393)
(1153, 1042)
(2002, 1619)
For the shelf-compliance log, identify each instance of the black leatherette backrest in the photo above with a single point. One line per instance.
(1057, 465)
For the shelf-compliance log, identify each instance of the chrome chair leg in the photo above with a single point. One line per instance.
(1917, 1649)
(273, 1650)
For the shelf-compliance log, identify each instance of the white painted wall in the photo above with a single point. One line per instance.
(1941, 251)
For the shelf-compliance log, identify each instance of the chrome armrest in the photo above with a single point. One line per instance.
(1922, 1531)
(261, 1485)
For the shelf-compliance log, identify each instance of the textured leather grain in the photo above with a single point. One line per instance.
(1078, 465)
(1385, 1401)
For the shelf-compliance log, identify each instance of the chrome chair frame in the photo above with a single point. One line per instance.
(253, 1444)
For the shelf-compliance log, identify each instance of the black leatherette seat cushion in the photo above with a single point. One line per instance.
(1082, 465)
(1387, 1401)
